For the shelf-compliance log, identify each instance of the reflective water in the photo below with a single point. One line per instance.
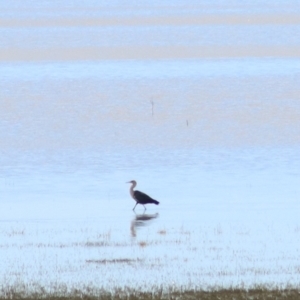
(198, 102)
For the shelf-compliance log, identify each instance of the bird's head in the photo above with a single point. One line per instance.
(132, 181)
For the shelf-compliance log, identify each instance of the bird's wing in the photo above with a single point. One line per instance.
(141, 197)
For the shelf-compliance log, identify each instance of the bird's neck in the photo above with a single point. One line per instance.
(132, 191)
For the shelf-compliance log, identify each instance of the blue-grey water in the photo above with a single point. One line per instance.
(198, 101)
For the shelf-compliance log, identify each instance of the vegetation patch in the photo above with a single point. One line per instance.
(156, 293)
(113, 261)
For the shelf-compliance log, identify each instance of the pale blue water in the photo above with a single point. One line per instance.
(87, 104)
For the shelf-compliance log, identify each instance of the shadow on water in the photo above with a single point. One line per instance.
(141, 220)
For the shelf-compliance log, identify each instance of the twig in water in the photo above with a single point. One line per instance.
(152, 103)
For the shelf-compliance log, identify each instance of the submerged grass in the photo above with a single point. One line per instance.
(63, 293)
(167, 252)
(113, 261)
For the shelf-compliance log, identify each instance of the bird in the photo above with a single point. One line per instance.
(140, 197)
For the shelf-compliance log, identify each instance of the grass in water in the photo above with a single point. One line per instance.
(63, 293)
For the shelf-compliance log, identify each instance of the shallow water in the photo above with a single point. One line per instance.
(198, 102)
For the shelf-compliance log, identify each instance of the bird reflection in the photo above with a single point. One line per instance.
(141, 220)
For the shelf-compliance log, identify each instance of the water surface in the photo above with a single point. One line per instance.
(198, 102)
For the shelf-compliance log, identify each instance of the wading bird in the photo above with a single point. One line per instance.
(140, 197)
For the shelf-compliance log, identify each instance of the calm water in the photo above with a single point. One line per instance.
(198, 102)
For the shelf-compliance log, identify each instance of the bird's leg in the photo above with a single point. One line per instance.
(144, 207)
(135, 206)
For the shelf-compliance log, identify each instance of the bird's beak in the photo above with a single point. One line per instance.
(128, 182)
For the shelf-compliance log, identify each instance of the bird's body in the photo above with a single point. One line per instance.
(139, 197)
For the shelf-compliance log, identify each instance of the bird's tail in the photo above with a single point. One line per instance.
(155, 202)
